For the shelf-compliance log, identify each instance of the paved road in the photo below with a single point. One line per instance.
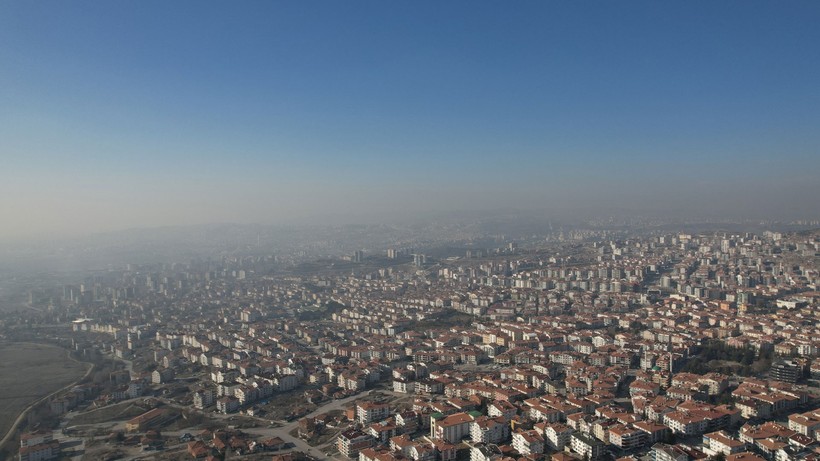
(283, 432)
(77, 444)
(13, 429)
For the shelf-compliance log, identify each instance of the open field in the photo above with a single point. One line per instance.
(120, 411)
(29, 372)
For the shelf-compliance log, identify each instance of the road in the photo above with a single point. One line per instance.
(76, 444)
(13, 429)
(283, 432)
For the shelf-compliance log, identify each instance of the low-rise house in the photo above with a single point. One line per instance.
(149, 420)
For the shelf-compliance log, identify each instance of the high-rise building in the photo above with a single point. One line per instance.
(786, 371)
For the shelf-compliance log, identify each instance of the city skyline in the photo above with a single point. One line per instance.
(151, 114)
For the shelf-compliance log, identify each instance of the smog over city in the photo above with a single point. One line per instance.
(422, 231)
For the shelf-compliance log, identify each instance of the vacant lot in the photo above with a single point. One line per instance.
(29, 372)
(120, 411)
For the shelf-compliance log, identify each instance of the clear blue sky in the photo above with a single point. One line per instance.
(128, 113)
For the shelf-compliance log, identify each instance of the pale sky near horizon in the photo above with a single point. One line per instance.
(148, 113)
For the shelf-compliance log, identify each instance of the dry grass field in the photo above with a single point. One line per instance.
(120, 411)
(29, 372)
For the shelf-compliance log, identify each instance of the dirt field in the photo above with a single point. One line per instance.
(119, 411)
(29, 372)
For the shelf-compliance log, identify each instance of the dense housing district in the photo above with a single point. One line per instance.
(669, 347)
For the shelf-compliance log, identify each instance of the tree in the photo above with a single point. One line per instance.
(748, 357)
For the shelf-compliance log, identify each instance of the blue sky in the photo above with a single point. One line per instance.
(123, 114)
